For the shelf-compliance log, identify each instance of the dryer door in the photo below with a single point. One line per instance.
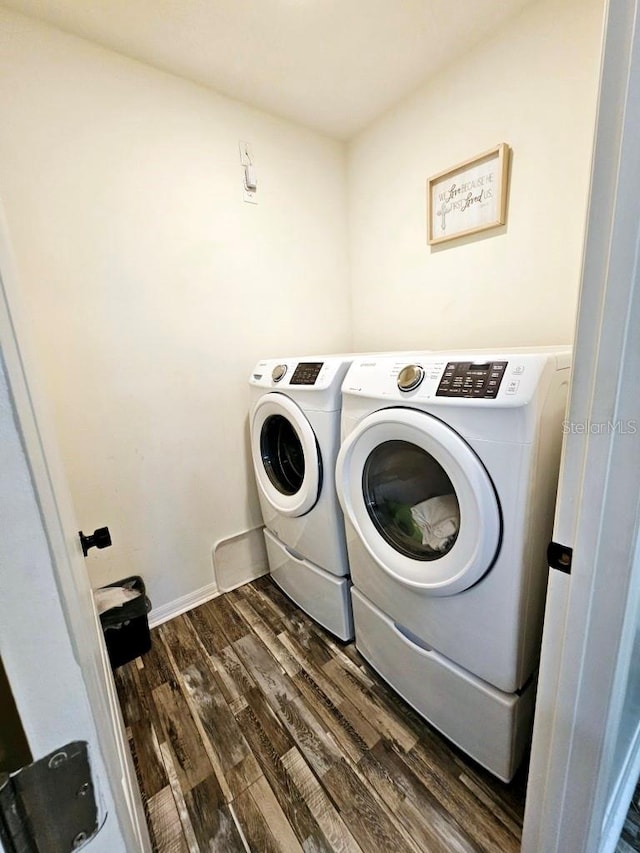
(285, 455)
(420, 499)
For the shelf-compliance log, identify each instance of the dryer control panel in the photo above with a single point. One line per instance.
(471, 379)
(306, 373)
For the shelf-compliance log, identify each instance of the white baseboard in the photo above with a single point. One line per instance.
(186, 602)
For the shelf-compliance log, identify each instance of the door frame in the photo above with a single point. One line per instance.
(50, 636)
(591, 617)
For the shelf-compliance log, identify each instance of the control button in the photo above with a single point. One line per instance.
(410, 377)
(491, 392)
(512, 386)
(278, 372)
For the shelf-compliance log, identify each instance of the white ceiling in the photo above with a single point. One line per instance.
(333, 65)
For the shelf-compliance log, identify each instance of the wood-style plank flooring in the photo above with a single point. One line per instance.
(253, 729)
(630, 837)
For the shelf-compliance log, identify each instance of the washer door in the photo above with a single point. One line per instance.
(420, 499)
(285, 455)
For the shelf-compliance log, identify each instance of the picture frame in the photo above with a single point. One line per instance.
(470, 197)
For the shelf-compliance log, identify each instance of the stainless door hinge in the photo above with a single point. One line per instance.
(50, 805)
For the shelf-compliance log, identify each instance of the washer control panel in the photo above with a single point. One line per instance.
(471, 379)
(306, 373)
(475, 378)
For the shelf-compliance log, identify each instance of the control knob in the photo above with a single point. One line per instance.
(278, 372)
(410, 377)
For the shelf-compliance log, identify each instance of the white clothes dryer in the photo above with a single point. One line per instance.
(295, 437)
(447, 476)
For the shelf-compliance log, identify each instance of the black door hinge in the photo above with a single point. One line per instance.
(49, 806)
(560, 557)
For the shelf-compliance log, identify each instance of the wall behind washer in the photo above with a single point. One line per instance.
(153, 289)
(534, 86)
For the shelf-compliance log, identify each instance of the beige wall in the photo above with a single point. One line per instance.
(152, 288)
(534, 86)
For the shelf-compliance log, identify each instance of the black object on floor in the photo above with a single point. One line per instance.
(126, 628)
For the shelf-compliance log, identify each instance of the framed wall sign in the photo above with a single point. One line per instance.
(470, 197)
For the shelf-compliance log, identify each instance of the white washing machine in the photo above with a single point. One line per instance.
(295, 437)
(447, 476)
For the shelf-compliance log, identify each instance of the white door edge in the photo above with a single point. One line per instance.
(51, 650)
(586, 665)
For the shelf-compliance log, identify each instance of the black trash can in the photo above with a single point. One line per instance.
(126, 627)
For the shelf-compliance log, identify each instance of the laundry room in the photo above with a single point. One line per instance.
(168, 233)
(152, 288)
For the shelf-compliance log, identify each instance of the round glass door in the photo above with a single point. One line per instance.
(411, 500)
(285, 454)
(420, 500)
(282, 454)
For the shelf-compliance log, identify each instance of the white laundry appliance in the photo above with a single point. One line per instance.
(295, 437)
(447, 477)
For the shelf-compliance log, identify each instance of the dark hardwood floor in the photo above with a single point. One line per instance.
(630, 837)
(253, 729)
